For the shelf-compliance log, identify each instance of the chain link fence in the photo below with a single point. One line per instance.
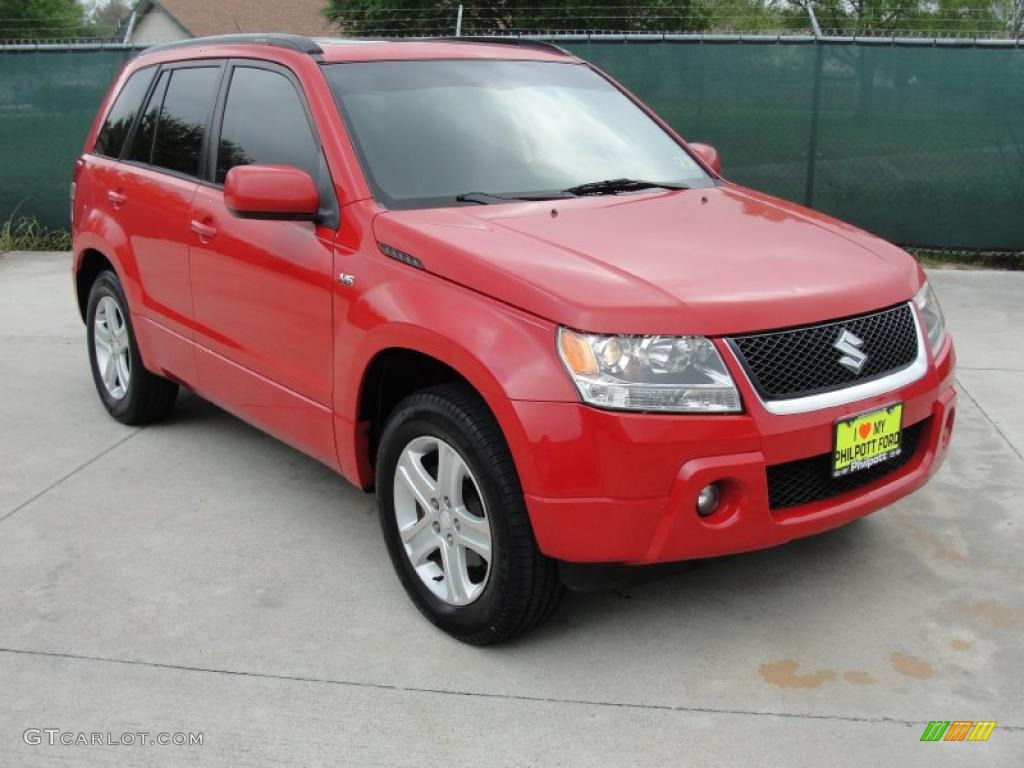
(967, 19)
(918, 140)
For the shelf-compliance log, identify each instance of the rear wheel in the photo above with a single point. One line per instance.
(455, 522)
(129, 392)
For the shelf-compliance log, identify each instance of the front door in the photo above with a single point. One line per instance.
(261, 290)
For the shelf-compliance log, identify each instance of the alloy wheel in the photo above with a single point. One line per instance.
(442, 520)
(113, 347)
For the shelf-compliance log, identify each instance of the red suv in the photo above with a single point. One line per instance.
(484, 280)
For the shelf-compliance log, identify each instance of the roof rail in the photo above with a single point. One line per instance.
(278, 40)
(499, 39)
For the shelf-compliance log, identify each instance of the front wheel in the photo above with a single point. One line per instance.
(455, 522)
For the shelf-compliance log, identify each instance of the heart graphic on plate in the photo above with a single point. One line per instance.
(865, 430)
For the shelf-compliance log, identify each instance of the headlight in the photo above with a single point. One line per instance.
(648, 373)
(931, 315)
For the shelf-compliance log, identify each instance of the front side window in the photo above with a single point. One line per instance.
(122, 114)
(178, 143)
(428, 131)
(264, 122)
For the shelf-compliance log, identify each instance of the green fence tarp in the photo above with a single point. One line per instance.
(922, 145)
(47, 103)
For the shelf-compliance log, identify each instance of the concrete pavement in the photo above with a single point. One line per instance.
(199, 576)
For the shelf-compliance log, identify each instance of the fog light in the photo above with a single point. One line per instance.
(707, 500)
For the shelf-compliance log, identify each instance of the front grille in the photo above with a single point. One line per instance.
(803, 361)
(808, 480)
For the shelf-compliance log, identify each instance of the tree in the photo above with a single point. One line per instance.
(108, 17)
(35, 19)
(407, 17)
(397, 18)
(925, 17)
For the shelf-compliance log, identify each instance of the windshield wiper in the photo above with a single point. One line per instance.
(614, 186)
(486, 198)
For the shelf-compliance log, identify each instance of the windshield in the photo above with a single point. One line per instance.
(430, 131)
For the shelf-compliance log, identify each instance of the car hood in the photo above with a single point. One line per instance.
(703, 261)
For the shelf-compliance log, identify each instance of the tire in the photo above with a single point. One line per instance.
(145, 397)
(519, 587)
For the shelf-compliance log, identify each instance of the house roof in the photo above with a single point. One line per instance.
(216, 17)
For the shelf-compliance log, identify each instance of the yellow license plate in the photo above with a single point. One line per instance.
(866, 440)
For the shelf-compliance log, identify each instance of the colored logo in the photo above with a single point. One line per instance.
(958, 730)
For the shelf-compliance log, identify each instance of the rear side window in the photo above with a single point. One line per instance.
(265, 122)
(122, 114)
(181, 123)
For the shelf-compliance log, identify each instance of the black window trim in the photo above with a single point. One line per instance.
(330, 211)
(220, 64)
(113, 102)
(130, 142)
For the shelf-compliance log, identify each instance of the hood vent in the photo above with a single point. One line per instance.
(402, 256)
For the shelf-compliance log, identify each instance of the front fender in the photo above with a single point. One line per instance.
(505, 354)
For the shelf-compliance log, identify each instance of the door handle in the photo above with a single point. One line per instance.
(116, 197)
(205, 231)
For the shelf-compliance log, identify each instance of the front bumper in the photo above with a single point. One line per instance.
(622, 487)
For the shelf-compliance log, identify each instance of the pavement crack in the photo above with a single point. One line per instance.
(480, 694)
(72, 473)
(988, 418)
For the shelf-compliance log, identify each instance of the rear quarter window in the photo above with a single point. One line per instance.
(141, 149)
(122, 114)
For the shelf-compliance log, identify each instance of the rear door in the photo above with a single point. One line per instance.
(262, 289)
(155, 185)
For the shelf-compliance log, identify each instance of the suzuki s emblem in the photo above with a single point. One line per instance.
(853, 358)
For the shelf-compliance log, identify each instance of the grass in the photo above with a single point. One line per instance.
(25, 233)
(1006, 260)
